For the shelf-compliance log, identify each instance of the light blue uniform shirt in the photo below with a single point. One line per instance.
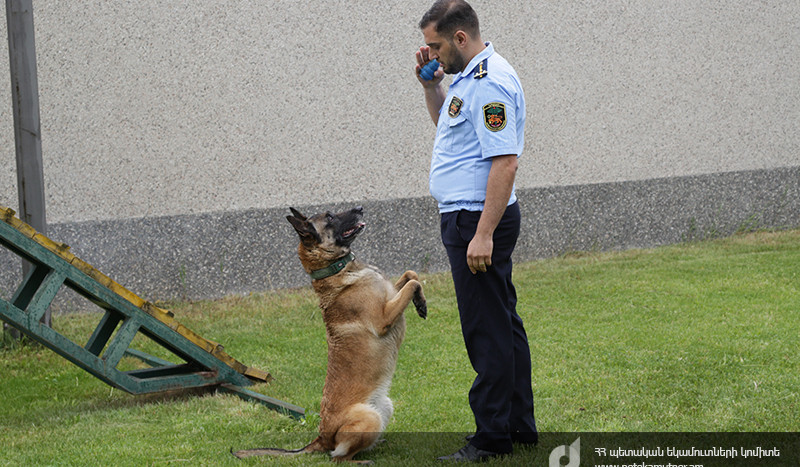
(480, 119)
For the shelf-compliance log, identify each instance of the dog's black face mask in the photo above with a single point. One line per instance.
(328, 230)
(346, 225)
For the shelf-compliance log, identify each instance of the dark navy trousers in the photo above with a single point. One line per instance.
(501, 397)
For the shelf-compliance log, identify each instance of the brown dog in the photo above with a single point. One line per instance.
(363, 314)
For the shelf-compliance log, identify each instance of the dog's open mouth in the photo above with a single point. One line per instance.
(354, 231)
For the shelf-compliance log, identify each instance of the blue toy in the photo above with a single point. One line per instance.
(428, 70)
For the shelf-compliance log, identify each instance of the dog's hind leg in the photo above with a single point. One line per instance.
(360, 432)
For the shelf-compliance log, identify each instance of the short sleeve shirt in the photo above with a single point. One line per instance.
(483, 116)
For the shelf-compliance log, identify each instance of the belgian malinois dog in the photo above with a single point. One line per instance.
(363, 314)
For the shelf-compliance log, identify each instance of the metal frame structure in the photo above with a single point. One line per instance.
(126, 316)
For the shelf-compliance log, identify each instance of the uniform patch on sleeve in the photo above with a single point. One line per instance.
(455, 107)
(494, 116)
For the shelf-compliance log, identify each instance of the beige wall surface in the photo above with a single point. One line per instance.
(156, 108)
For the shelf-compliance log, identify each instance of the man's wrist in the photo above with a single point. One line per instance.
(483, 234)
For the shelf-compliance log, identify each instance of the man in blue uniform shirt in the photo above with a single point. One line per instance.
(480, 126)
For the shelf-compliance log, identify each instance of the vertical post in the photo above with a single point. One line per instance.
(27, 129)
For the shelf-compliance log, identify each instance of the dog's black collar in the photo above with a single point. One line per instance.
(335, 267)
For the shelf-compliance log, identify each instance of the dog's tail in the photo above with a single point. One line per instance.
(267, 452)
(315, 446)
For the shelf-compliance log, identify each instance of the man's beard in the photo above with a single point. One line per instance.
(455, 64)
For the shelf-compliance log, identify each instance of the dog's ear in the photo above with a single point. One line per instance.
(297, 214)
(308, 234)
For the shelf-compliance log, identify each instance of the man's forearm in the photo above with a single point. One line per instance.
(498, 192)
(434, 99)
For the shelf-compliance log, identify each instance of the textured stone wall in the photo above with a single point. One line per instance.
(175, 134)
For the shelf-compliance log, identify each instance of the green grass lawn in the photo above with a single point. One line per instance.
(696, 337)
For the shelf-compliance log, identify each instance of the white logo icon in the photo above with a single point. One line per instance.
(574, 455)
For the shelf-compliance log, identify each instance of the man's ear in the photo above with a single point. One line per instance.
(308, 234)
(460, 38)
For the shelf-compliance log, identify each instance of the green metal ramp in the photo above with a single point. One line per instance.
(125, 315)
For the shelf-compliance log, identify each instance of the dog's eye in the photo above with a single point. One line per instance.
(328, 216)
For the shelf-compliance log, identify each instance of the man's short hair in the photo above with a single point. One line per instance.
(450, 16)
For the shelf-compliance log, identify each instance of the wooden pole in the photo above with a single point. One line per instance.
(27, 129)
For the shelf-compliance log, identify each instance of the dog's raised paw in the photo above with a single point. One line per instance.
(422, 308)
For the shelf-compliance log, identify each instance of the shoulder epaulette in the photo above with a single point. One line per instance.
(482, 69)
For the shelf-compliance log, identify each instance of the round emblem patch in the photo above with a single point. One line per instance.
(494, 116)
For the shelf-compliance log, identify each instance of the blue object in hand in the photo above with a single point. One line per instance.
(428, 70)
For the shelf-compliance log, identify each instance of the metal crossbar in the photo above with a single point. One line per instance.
(125, 316)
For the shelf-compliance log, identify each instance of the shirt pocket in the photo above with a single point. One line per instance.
(457, 130)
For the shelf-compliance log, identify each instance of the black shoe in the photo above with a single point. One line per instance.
(470, 453)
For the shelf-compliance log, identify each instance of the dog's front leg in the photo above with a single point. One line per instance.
(412, 290)
(419, 298)
(407, 276)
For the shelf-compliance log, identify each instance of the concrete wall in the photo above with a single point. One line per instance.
(175, 134)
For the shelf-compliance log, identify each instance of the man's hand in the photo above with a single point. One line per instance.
(479, 253)
(423, 57)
